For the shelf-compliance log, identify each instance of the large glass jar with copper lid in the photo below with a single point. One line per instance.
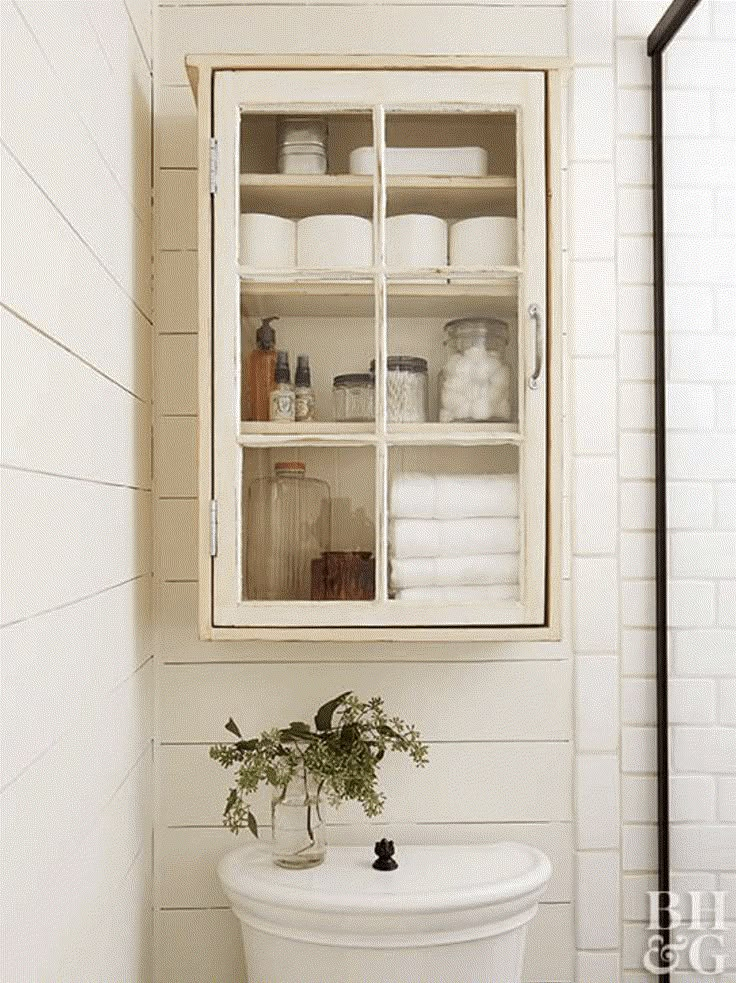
(288, 526)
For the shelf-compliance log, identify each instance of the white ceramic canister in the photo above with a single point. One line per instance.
(267, 242)
(328, 242)
(486, 241)
(416, 241)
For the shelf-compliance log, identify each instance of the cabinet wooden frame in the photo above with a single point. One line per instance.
(202, 71)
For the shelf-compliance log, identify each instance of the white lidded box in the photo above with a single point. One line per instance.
(426, 161)
(328, 242)
(267, 242)
(486, 241)
(416, 241)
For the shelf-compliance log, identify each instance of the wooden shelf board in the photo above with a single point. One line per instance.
(299, 195)
(453, 434)
(430, 298)
(329, 433)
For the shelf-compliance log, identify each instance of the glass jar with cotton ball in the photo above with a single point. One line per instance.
(475, 381)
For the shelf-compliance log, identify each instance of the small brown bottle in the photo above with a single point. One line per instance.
(260, 372)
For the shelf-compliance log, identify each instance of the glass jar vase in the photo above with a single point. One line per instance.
(289, 523)
(475, 381)
(298, 829)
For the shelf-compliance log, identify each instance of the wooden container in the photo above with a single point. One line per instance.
(344, 577)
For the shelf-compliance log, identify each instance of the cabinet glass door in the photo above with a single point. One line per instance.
(385, 234)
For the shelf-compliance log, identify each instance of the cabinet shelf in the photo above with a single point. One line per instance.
(436, 297)
(328, 433)
(298, 195)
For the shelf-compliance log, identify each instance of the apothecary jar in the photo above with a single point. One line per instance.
(475, 381)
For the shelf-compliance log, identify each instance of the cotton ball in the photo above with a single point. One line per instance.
(453, 363)
(475, 354)
(479, 408)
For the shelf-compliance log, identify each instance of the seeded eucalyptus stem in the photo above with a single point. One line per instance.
(342, 754)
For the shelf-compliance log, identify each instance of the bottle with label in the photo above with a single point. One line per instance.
(283, 400)
(304, 393)
(260, 371)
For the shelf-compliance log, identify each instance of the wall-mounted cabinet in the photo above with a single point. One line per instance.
(399, 224)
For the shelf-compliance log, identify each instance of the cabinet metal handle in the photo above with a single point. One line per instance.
(535, 313)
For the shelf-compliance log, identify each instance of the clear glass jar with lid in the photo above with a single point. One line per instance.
(353, 397)
(288, 526)
(475, 381)
(406, 388)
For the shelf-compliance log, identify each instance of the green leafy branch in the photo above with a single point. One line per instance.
(341, 754)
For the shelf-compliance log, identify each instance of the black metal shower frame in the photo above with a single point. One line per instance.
(666, 29)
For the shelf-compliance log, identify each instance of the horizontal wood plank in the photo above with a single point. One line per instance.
(207, 945)
(114, 114)
(489, 701)
(47, 680)
(61, 157)
(63, 417)
(463, 782)
(188, 858)
(88, 867)
(424, 29)
(89, 312)
(64, 540)
(54, 806)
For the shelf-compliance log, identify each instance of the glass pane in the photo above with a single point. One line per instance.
(454, 525)
(308, 523)
(451, 190)
(273, 143)
(458, 344)
(300, 206)
(331, 328)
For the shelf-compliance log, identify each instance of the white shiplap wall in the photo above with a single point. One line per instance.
(77, 669)
(499, 724)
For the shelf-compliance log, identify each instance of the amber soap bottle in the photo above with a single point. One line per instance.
(260, 372)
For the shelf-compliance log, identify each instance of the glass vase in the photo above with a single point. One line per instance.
(297, 827)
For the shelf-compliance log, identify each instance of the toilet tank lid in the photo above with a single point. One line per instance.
(429, 878)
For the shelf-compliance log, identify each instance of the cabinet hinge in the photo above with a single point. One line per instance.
(213, 527)
(213, 165)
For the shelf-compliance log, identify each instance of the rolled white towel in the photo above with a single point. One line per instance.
(453, 537)
(432, 571)
(453, 496)
(461, 594)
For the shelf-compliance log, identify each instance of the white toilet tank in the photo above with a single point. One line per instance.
(449, 914)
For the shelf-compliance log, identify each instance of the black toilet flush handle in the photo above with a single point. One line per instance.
(384, 850)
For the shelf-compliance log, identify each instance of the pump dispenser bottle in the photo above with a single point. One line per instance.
(303, 390)
(260, 372)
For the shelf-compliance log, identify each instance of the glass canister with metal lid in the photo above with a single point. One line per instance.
(475, 381)
(406, 388)
(353, 397)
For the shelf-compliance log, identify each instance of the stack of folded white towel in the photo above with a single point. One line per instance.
(454, 538)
